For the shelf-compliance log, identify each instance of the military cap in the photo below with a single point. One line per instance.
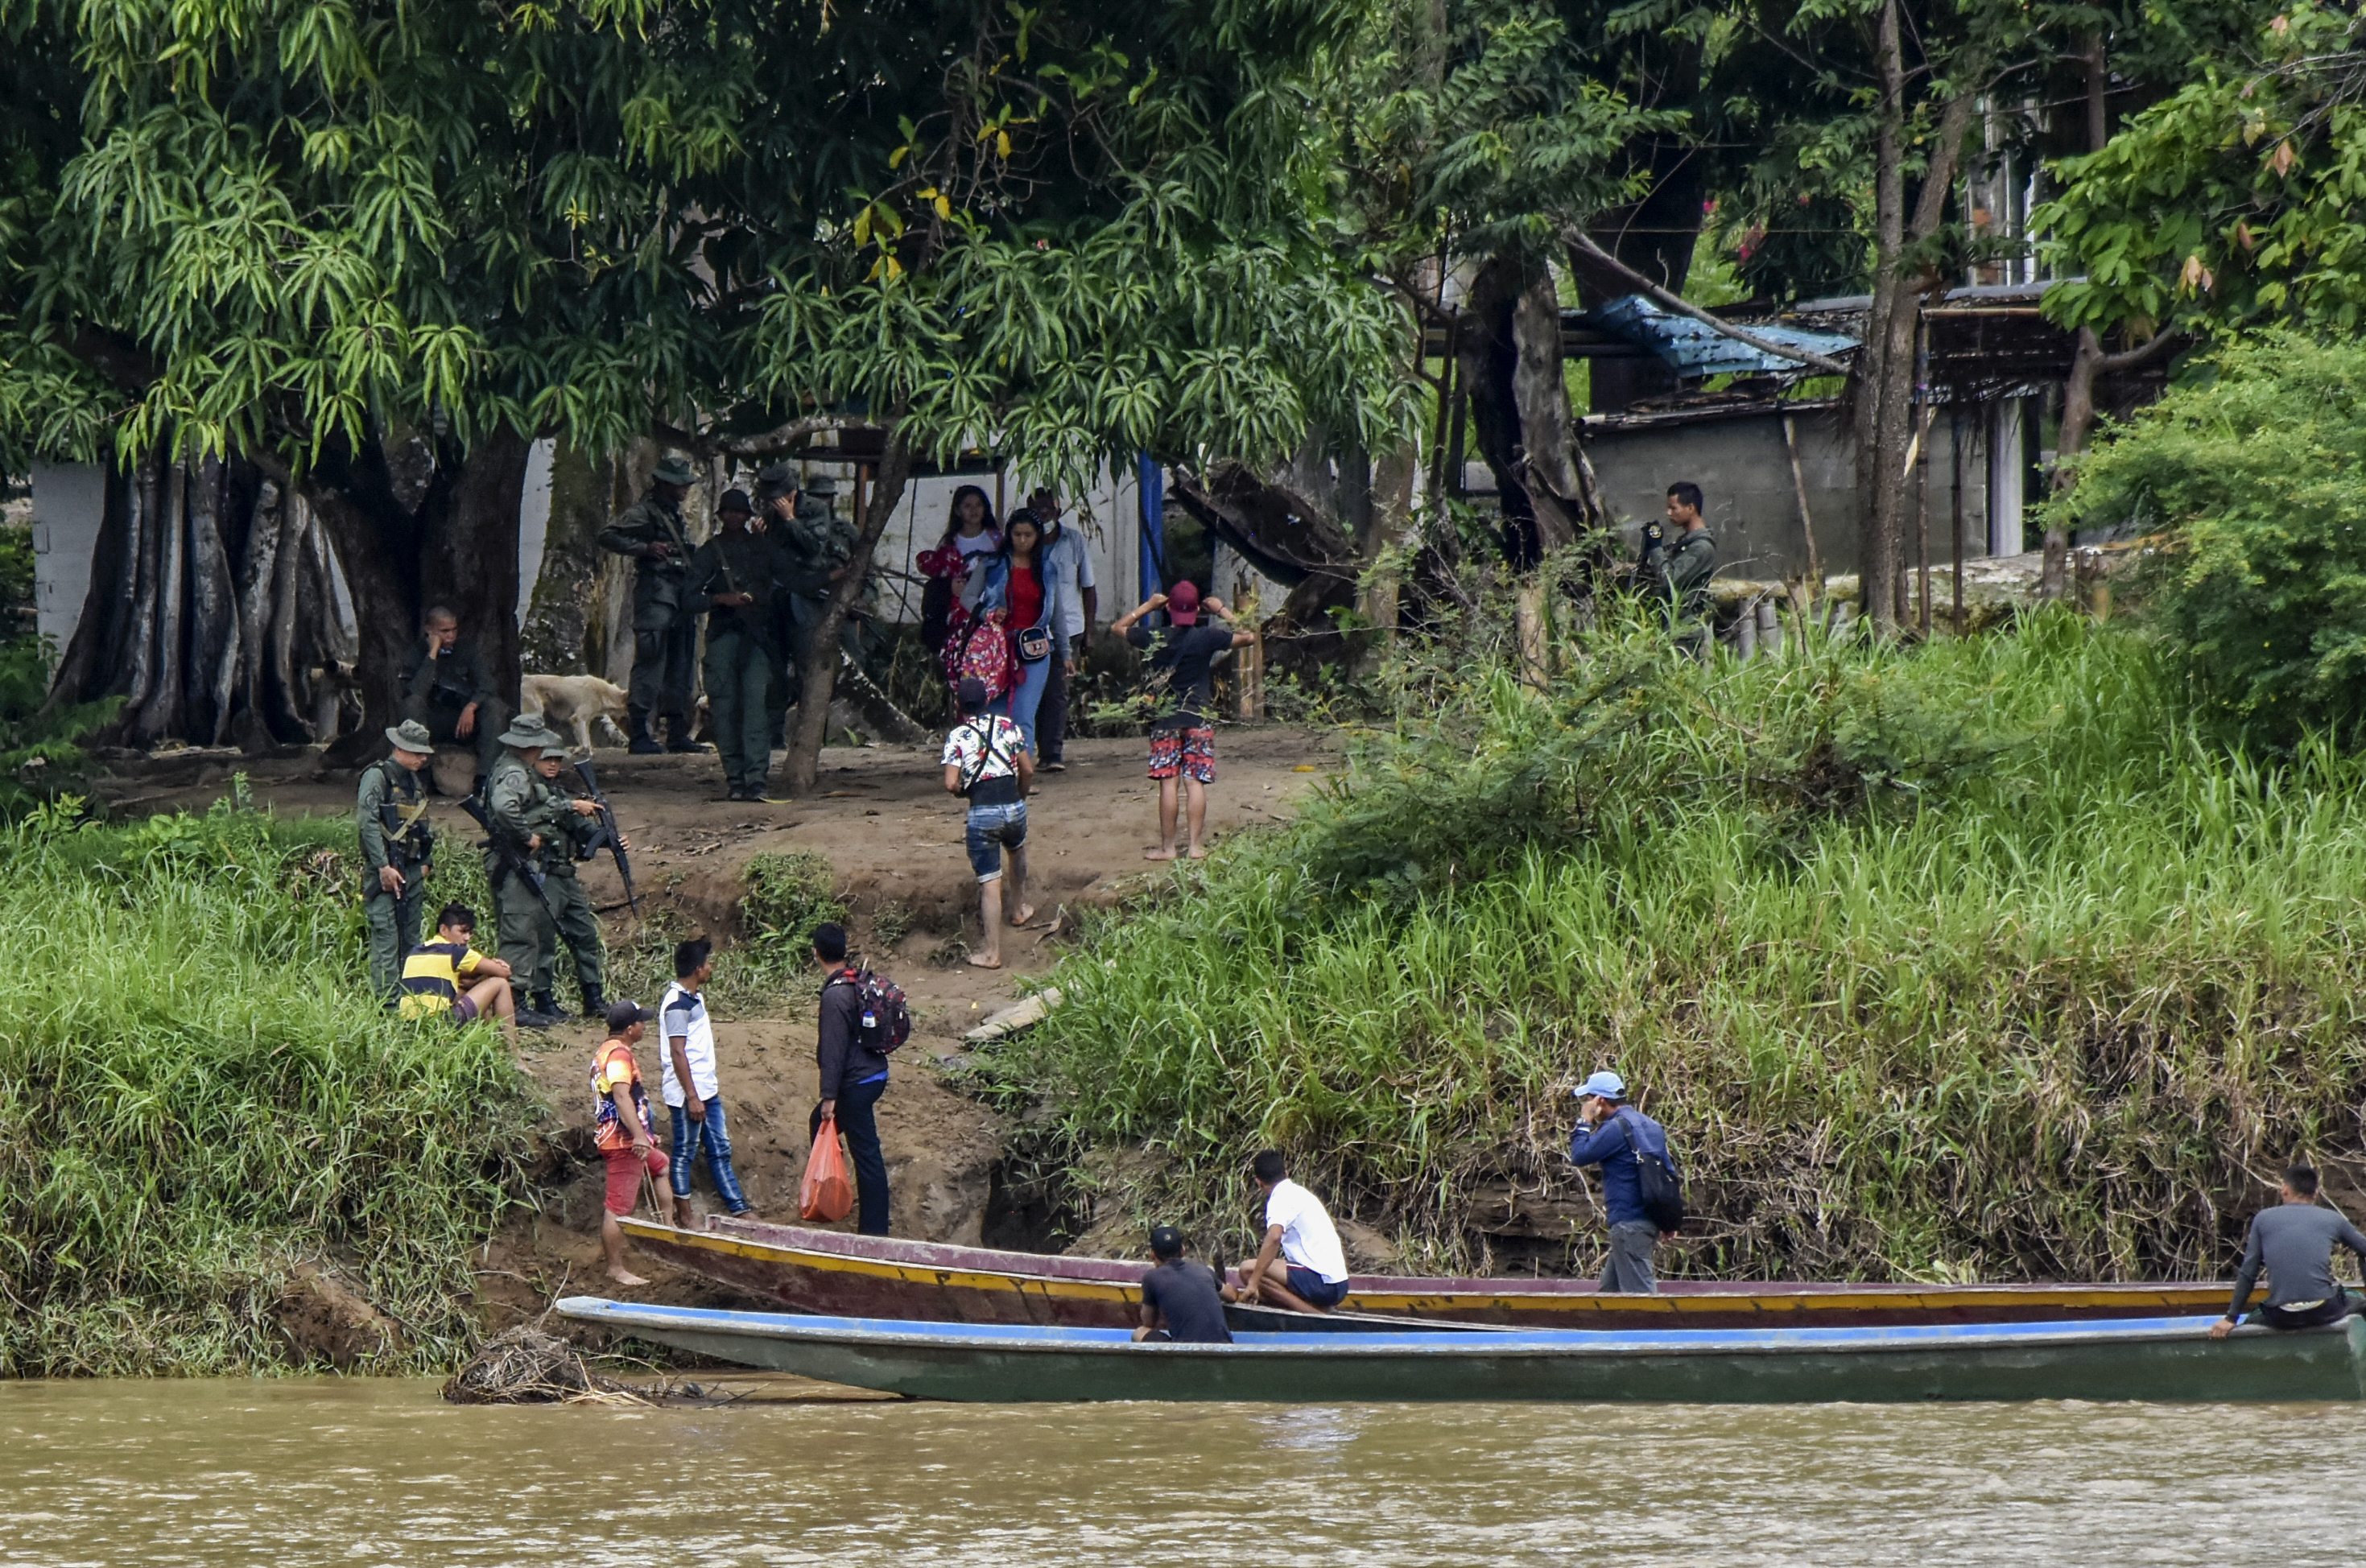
(822, 484)
(412, 736)
(779, 479)
(673, 468)
(735, 500)
(528, 733)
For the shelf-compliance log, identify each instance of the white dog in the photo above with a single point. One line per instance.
(576, 700)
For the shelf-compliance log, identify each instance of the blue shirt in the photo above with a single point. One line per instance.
(1608, 1146)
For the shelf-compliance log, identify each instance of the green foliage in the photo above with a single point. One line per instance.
(2249, 472)
(202, 1098)
(2037, 1015)
(2231, 203)
(38, 758)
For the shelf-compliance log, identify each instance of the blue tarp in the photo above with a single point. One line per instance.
(1692, 349)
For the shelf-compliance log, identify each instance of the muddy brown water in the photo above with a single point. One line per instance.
(363, 1472)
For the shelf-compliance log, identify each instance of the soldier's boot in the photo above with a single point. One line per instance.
(678, 737)
(527, 1018)
(547, 1005)
(643, 744)
(595, 1004)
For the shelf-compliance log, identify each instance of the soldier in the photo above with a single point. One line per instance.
(665, 637)
(780, 494)
(816, 551)
(1678, 571)
(734, 573)
(396, 844)
(444, 687)
(538, 833)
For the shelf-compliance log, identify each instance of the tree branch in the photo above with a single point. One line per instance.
(1580, 241)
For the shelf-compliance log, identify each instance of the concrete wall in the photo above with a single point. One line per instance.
(1107, 516)
(1745, 473)
(69, 503)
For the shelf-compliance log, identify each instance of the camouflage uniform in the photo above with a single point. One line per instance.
(523, 804)
(393, 919)
(1678, 574)
(817, 544)
(739, 647)
(435, 691)
(665, 637)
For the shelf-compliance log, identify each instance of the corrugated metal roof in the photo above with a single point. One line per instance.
(1693, 348)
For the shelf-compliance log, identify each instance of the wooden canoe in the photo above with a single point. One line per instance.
(2165, 1358)
(835, 1274)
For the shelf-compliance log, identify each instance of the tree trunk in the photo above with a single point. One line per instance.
(1540, 394)
(471, 548)
(213, 607)
(250, 727)
(1390, 525)
(819, 667)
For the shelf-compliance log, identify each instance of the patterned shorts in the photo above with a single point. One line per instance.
(1187, 753)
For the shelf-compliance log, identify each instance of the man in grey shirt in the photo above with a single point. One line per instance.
(2294, 1241)
(1066, 559)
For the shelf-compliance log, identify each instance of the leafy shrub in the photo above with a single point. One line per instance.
(2251, 476)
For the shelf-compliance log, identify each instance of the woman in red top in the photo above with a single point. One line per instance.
(1016, 585)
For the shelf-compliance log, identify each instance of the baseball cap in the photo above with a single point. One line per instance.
(1608, 1084)
(970, 696)
(1183, 603)
(624, 1015)
(1166, 1241)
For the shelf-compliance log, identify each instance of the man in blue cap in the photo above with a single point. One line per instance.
(1608, 1132)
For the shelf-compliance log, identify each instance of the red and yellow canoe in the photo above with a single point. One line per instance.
(838, 1275)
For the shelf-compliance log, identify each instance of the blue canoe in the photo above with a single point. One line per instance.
(2146, 1358)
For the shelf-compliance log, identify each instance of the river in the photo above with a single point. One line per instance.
(363, 1472)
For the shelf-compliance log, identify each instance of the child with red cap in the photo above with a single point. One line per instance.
(1182, 740)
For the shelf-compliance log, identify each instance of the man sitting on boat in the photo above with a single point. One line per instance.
(2295, 1242)
(1610, 1131)
(1182, 1302)
(1301, 1265)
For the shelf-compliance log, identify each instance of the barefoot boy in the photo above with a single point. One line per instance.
(1182, 742)
(986, 764)
(622, 1132)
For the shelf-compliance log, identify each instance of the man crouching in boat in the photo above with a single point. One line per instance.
(1610, 1131)
(2295, 1242)
(1301, 1265)
(1181, 1301)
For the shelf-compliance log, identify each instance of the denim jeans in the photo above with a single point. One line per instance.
(858, 1118)
(688, 1136)
(992, 830)
(1025, 694)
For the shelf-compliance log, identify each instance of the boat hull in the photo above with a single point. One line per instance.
(832, 1274)
(2153, 1360)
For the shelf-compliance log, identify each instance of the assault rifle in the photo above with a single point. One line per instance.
(608, 834)
(506, 855)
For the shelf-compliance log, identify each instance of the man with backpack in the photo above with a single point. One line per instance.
(864, 1018)
(1639, 1189)
(986, 764)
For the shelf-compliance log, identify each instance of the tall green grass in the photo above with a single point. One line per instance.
(1971, 961)
(197, 1097)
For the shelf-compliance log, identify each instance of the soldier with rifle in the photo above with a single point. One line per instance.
(1676, 571)
(397, 843)
(734, 574)
(665, 634)
(536, 833)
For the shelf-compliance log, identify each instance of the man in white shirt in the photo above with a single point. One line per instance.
(687, 1054)
(986, 764)
(1067, 563)
(1301, 1265)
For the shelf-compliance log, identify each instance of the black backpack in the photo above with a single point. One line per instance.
(883, 1018)
(1662, 1188)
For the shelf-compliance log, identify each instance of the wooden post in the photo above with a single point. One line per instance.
(1770, 627)
(1923, 521)
(1806, 524)
(1250, 665)
(1529, 620)
(1956, 455)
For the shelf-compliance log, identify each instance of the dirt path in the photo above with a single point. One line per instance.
(894, 839)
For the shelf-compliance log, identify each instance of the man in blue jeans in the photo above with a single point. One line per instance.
(986, 764)
(1607, 1134)
(853, 1077)
(694, 1096)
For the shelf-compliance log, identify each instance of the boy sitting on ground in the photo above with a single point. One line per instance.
(1182, 740)
(1301, 1265)
(620, 1130)
(447, 978)
(987, 764)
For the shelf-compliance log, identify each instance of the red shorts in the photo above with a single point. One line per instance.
(1189, 753)
(624, 1177)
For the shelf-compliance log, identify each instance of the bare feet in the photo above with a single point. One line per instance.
(1163, 853)
(1199, 854)
(984, 961)
(1026, 913)
(625, 1277)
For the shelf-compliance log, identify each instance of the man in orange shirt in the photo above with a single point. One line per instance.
(622, 1129)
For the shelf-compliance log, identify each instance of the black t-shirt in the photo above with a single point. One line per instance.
(1187, 1299)
(1181, 662)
